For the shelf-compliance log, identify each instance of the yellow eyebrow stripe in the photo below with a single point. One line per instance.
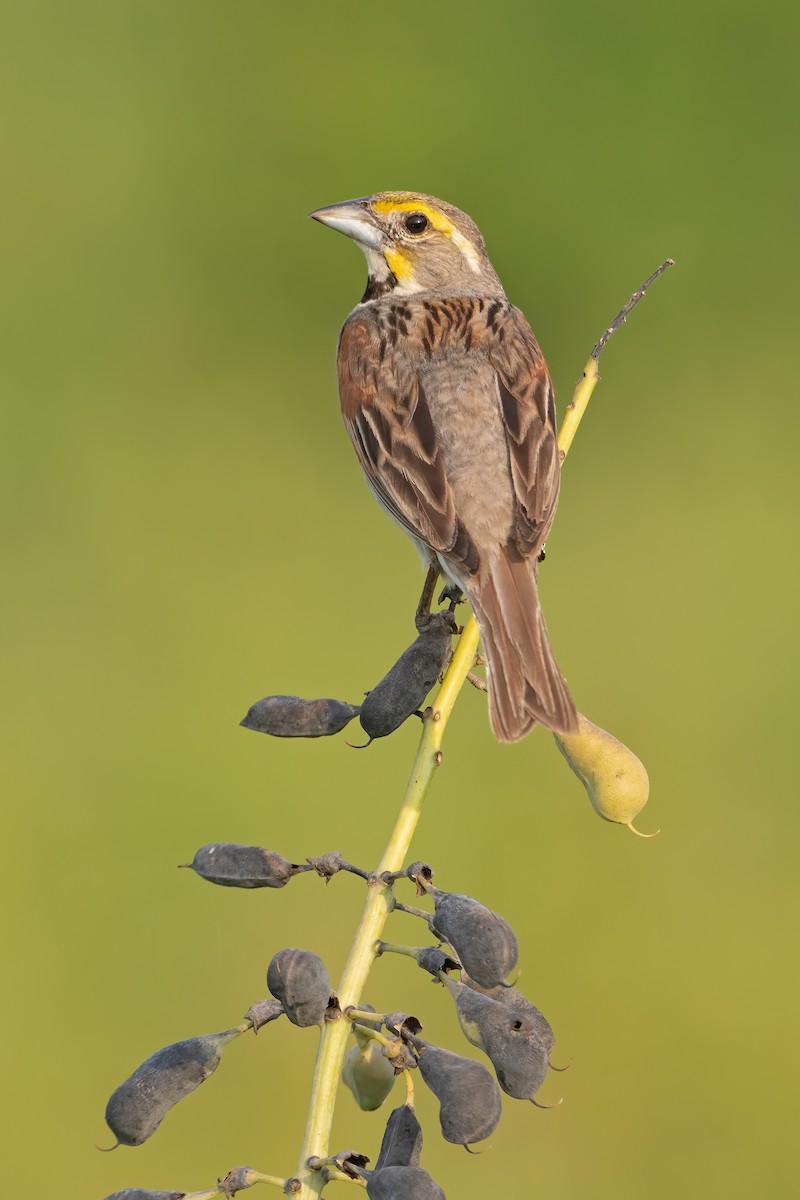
(439, 222)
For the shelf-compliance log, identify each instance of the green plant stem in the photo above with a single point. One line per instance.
(373, 1035)
(362, 1014)
(379, 901)
(577, 406)
(378, 905)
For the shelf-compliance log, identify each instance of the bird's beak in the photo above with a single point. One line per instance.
(353, 218)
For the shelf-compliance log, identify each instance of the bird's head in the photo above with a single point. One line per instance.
(414, 243)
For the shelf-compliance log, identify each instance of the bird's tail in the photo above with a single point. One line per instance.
(525, 684)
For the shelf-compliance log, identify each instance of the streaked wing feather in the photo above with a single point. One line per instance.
(389, 421)
(528, 408)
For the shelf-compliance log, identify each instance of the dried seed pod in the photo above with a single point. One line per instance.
(231, 865)
(402, 1183)
(139, 1105)
(508, 1038)
(299, 979)
(615, 779)
(262, 1012)
(402, 1140)
(513, 999)
(469, 1099)
(291, 716)
(403, 689)
(484, 943)
(146, 1194)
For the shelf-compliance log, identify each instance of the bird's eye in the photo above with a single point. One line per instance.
(416, 222)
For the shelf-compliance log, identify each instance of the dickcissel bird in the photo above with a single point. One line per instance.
(447, 399)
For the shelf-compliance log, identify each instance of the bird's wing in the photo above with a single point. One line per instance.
(529, 417)
(389, 421)
(390, 424)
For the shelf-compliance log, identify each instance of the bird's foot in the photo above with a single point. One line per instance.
(452, 594)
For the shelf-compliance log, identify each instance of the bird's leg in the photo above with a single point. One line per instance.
(424, 606)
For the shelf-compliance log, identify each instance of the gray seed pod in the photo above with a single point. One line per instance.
(513, 999)
(403, 689)
(402, 1183)
(485, 944)
(144, 1194)
(299, 979)
(469, 1099)
(402, 1140)
(232, 865)
(507, 1037)
(139, 1105)
(291, 716)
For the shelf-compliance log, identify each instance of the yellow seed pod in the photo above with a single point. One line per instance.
(369, 1075)
(613, 776)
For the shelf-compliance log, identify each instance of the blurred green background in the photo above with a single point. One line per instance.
(185, 529)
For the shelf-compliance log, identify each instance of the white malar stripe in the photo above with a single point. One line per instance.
(377, 266)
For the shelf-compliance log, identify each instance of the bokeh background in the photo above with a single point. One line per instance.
(185, 529)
